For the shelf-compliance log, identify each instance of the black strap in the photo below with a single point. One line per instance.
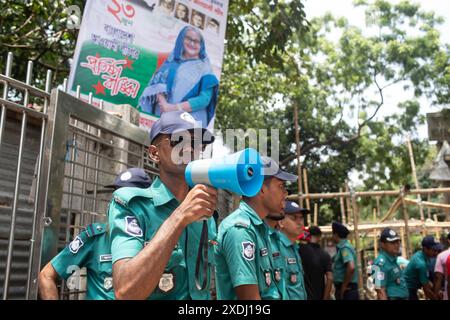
(202, 256)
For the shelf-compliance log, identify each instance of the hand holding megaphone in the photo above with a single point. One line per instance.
(200, 203)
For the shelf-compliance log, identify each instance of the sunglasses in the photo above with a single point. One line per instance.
(173, 143)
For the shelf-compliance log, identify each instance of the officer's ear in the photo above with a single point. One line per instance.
(153, 154)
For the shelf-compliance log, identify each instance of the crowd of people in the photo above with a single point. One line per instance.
(163, 240)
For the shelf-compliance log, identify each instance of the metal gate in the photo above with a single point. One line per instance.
(56, 154)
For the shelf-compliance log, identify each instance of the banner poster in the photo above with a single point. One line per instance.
(155, 55)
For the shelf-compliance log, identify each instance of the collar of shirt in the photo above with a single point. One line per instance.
(387, 256)
(342, 243)
(161, 194)
(273, 232)
(255, 219)
(286, 241)
(424, 257)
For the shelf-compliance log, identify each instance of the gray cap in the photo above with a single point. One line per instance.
(178, 121)
(272, 169)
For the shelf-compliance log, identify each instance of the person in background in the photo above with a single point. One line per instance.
(441, 277)
(417, 272)
(389, 281)
(153, 232)
(318, 267)
(345, 273)
(89, 249)
(244, 258)
(184, 82)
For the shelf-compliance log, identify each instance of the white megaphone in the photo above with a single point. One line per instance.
(239, 172)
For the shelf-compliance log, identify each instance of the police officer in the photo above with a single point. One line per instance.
(345, 273)
(388, 277)
(155, 232)
(89, 249)
(245, 261)
(290, 226)
(417, 272)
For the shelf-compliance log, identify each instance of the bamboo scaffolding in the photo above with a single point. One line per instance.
(343, 215)
(428, 204)
(306, 188)
(361, 194)
(436, 230)
(402, 237)
(393, 208)
(414, 173)
(299, 165)
(357, 245)
(429, 224)
(316, 212)
(375, 233)
(406, 219)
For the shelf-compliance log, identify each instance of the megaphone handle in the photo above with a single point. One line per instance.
(202, 249)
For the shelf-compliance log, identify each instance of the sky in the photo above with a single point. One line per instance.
(394, 94)
(355, 16)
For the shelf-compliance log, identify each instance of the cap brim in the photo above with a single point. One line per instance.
(392, 239)
(207, 138)
(110, 186)
(283, 175)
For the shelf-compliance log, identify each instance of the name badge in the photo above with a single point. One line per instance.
(292, 261)
(268, 278)
(167, 282)
(105, 257)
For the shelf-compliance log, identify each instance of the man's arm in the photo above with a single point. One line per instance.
(328, 285)
(47, 283)
(248, 292)
(137, 277)
(381, 293)
(349, 270)
(429, 292)
(438, 284)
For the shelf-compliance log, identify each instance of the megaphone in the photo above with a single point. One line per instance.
(239, 172)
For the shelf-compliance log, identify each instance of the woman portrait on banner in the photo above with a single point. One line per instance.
(185, 81)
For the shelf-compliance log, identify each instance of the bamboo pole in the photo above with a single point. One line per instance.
(357, 248)
(306, 188)
(406, 220)
(436, 230)
(428, 204)
(378, 207)
(393, 208)
(375, 234)
(429, 209)
(402, 236)
(414, 173)
(362, 194)
(299, 165)
(349, 206)
(308, 204)
(343, 215)
(316, 212)
(394, 224)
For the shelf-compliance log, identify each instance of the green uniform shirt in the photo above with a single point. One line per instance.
(135, 216)
(294, 276)
(416, 273)
(243, 255)
(345, 253)
(388, 274)
(89, 249)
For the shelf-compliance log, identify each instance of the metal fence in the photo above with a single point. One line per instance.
(56, 154)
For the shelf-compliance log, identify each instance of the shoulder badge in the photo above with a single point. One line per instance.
(248, 250)
(75, 245)
(132, 227)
